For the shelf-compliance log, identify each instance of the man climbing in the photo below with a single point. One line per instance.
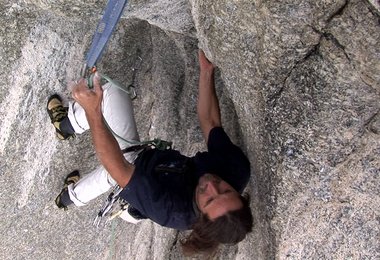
(202, 193)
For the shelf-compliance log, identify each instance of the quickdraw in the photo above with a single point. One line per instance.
(108, 208)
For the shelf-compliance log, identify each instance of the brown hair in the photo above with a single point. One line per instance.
(230, 228)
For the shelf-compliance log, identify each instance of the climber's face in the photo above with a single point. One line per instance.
(215, 197)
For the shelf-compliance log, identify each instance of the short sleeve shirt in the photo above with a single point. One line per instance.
(163, 183)
(224, 159)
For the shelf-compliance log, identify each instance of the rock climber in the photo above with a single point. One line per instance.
(202, 193)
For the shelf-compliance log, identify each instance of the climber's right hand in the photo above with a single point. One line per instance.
(89, 99)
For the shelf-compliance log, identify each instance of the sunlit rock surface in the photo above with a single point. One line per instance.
(299, 86)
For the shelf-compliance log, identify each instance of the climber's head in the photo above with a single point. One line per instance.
(225, 216)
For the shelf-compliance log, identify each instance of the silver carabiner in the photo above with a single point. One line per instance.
(131, 90)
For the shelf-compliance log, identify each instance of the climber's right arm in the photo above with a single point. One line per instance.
(106, 146)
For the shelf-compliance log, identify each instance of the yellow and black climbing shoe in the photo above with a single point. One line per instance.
(58, 114)
(63, 199)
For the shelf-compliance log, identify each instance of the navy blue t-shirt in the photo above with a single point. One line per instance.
(163, 183)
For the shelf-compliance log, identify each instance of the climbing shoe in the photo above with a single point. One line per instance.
(63, 199)
(58, 114)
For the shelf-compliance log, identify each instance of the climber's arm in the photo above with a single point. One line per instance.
(208, 105)
(106, 146)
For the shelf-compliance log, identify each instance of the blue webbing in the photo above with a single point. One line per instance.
(106, 25)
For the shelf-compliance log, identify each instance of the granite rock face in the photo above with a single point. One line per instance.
(299, 87)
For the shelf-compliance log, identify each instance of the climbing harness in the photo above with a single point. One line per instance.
(109, 207)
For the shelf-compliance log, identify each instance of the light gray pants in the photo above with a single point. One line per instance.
(118, 112)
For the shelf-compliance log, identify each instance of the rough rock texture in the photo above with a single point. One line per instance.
(299, 86)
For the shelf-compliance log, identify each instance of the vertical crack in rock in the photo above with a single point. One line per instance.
(338, 12)
(374, 11)
(330, 36)
(368, 123)
(314, 50)
(174, 243)
(273, 99)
